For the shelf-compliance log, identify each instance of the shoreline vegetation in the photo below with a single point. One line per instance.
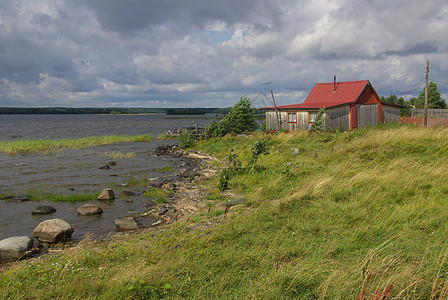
(30, 146)
(324, 215)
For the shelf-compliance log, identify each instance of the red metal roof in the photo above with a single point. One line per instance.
(325, 94)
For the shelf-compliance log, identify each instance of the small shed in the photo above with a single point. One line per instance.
(348, 105)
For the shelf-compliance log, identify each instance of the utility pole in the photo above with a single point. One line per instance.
(275, 106)
(425, 122)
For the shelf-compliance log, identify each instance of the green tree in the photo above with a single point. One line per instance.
(319, 121)
(240, 119)
(406, 106)
(435, 99)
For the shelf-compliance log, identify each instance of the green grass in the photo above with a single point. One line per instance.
(64, 198)
(165, 169)
(30, 146)
(357, 210)
(159, 195)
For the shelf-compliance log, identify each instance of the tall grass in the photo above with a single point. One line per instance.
(30, 146)
(353, 214)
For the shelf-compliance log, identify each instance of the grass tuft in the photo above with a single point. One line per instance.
(30, 146)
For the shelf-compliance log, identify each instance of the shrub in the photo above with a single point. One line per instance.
(240, 119)
(187, 140)
(319, 122)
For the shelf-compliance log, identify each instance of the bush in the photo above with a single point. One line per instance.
(319, 122)
(187, 140)
(240, 119)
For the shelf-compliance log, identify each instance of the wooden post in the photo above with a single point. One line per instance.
(425, 122)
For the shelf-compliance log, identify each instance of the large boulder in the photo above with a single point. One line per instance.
(43, 210)
(53, 231)
(15, 247)
(89, 209)
(128, 223)
(106, 194)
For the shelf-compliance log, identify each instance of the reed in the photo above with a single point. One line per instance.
(30, 146)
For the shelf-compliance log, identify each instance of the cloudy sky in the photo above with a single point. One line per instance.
(208, 53)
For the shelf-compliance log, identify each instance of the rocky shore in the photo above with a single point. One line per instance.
(186, 199)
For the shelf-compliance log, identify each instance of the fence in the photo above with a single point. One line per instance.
(432, 122)
(432, 113)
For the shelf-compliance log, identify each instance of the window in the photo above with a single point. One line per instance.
(292, 117)
(312, 116)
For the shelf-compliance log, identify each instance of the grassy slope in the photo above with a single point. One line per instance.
(357, 210)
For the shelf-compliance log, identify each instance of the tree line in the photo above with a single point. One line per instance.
(435, 100)
(104, 110)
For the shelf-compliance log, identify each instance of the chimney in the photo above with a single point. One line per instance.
(334, 83)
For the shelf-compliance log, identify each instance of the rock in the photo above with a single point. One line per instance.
(156, 223)
(112, 163)
(53, 231)
(234, 202)
(168, 185)
(106, 167)
(43, 210)
(18, 199)
(162, 210)
(15, 247)
(187, 173)
(128, 223)
(127, 193)
(106, 194)
(296, 151)
(89, 209)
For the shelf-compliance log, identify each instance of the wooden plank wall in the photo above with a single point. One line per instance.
(338, 117)
(391, 113)
(272, 123)
(366, 115)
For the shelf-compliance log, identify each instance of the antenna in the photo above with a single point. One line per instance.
(275, 105)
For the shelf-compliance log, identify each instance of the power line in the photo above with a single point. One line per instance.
(412, 87)
(441, 82)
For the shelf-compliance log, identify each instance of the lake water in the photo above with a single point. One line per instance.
(78, 171)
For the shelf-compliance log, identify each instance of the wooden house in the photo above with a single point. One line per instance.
(348, 105)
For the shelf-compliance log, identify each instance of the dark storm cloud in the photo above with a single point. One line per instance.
(209, 53)
(126, 16)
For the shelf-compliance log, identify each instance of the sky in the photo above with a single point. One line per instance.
(209, 53)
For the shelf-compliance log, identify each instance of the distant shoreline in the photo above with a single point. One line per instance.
(105, 110)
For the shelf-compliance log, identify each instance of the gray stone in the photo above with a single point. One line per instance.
(19, 199)
(187, 173)
(128, 223)
(53, 231)
(89, 209)
(234, 202)
(169, 185)
(127, 193)
(43, 210)
(162, 210)
(15, 247)
(106, 194)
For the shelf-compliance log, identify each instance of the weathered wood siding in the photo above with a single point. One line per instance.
(338, 117)
(391, 113)
(432, 113)
(302, 120)
(272, 123)
(366, 115)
